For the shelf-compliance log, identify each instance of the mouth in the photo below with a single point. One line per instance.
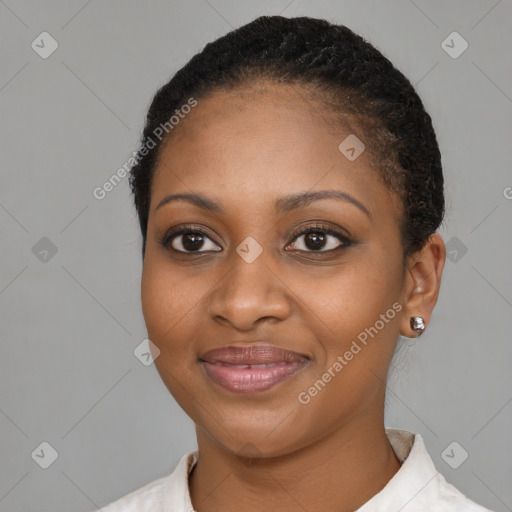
(251, 369)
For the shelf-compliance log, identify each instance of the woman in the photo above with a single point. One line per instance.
(289, 189)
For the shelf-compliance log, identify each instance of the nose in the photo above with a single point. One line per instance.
(248, 293)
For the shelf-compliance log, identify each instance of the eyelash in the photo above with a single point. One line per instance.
(166, 240)
(322, 228)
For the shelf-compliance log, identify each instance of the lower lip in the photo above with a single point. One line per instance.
(251, 379)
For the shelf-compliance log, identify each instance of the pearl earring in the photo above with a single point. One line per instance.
(417, 324)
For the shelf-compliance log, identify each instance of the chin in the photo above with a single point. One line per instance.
(254, 437)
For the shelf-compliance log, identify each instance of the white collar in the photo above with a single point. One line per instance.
(417, 485)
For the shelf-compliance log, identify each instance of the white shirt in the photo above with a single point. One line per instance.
(416, 487)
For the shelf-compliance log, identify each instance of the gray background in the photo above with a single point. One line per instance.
(70, 321)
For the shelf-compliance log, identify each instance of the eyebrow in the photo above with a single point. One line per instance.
(282, 205)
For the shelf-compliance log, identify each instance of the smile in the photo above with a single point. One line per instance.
(251, 369)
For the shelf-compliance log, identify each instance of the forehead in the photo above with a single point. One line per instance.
(279, 107)
(260, 142)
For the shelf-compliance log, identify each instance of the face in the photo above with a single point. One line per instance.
(254, 266)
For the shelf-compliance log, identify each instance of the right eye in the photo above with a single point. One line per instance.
(189, 240)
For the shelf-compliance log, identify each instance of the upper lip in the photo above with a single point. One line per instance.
(257, 353)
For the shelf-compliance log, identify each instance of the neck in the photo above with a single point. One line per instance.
(340, 472)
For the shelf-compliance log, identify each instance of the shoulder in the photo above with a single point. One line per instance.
(440, 496)
(145, 499)
(169, 492)
(418, 486)
(450, 498)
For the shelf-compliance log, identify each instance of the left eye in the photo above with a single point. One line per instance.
(194, 240)
(317, 240)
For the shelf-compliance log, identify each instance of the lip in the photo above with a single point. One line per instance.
(253, 368)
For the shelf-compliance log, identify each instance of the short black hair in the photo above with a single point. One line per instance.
(346, 73)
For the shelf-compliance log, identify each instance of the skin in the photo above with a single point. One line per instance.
(245, 149)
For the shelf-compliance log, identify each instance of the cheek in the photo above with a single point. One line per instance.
(353, 314)
(169, 317)
(347, 300)
(164, 305)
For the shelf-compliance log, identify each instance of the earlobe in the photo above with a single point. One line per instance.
(422, 284)
(417, 324)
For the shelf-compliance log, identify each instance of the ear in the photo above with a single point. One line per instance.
(422, 282)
